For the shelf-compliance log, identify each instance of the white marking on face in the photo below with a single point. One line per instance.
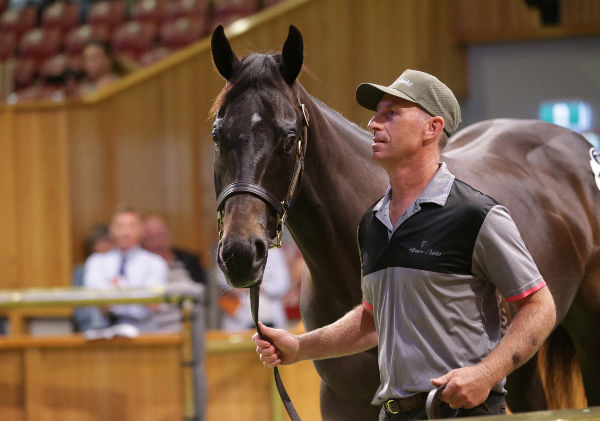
(256, 118)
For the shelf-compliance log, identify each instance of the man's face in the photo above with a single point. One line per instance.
(126, 230)
(397, 127)
(156, 236)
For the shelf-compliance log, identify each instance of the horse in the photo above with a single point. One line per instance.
(282, 157)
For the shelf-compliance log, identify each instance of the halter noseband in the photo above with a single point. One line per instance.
(280, 207)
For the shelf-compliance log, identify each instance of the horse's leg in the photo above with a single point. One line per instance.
(525, 388)
(335, 409)
(582, 324)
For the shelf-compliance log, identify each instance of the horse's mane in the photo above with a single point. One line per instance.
(259, 72)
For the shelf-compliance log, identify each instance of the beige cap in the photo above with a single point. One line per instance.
(421, 88)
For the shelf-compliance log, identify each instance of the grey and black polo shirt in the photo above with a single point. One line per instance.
(431, 282)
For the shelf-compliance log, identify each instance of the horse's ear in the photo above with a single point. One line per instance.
(292, 55)
(223, 56)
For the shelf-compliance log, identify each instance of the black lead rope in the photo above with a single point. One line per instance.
(285, 398)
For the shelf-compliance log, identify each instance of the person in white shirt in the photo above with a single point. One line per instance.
(235, 302)
(126, 266)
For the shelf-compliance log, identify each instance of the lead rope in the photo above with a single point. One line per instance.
(285, 398)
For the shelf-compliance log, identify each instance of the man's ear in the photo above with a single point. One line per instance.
(434, 128)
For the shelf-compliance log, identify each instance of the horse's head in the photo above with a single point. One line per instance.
(259, 131)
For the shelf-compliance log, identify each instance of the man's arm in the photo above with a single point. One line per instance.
(468, 387)
(353, 333)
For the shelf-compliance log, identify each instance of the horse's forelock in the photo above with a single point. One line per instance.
(260, 72)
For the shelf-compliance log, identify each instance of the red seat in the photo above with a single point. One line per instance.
(8, 45)
(133, 39)
(62, 16)
(226, 11)
(152, 11)
(109, 14)
(188, 8)
(25, 73)
(40, 44)
(18, 21)
(152, 56)
(182, 32)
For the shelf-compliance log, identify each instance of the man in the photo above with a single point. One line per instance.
(433, 252)
(183, 265)
(126, 266)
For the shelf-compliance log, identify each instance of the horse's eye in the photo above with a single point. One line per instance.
(290, 141)
(215, 135)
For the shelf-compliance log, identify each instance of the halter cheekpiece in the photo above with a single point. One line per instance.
(279, 206)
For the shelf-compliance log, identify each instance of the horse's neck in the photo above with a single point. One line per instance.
(339, 183)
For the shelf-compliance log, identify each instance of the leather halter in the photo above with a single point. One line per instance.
(279, 206)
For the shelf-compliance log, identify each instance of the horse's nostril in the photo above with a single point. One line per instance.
(260, 251)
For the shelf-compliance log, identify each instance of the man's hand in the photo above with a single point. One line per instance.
(466, 387)
(282, 347)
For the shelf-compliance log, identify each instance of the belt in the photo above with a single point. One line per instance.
(395, 406)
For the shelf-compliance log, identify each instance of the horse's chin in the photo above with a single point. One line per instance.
(243, 282)
(241, 279)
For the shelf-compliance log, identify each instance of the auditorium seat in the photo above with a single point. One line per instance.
(18, 21)
(62, 16)
(188, 8)
(25, 73)
(39, 44)
(8, 45)
(107, 13)
(132, 39)
(154, 55)
(182, 32)
(151, 11)
(226, 11)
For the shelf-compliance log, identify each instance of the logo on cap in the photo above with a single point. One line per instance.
(402, 79)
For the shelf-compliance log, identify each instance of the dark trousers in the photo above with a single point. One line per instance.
(496, 403)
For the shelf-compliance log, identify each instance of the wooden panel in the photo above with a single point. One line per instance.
(8, 220)
(69, 379)
(12, 397)
(42, 196)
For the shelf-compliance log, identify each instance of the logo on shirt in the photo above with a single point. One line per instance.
(425, 249)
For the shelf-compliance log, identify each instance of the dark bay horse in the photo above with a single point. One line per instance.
(269, 132)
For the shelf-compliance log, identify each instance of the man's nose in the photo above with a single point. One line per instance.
(373, 124)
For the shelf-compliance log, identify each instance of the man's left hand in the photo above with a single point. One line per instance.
(466, 387)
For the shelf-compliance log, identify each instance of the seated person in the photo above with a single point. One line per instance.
(235, 302)
(85, 318)
(184, 266)
(127, 266)
(182, 263)
(101, 69)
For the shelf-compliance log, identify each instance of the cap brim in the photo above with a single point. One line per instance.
(368, 95)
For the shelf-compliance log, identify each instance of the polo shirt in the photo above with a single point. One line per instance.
(431, 281)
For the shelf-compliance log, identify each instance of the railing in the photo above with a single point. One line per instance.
(188, 297)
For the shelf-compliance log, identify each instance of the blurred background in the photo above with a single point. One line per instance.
(83, 129)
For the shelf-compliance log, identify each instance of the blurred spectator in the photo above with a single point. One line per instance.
(291, 300)
(235, 302)
(85, 318)
(183, 265)
(101, 68)
(127, 266)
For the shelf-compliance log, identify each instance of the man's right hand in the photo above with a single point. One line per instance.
(281, 348)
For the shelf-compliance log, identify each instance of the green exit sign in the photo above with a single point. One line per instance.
(576, 115)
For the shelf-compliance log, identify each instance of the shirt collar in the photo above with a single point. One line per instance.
(436, 192)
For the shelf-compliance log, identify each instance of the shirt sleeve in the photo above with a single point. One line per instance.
(94, 273)
(500, 256)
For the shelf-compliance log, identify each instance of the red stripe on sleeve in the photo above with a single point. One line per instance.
(528, 292)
